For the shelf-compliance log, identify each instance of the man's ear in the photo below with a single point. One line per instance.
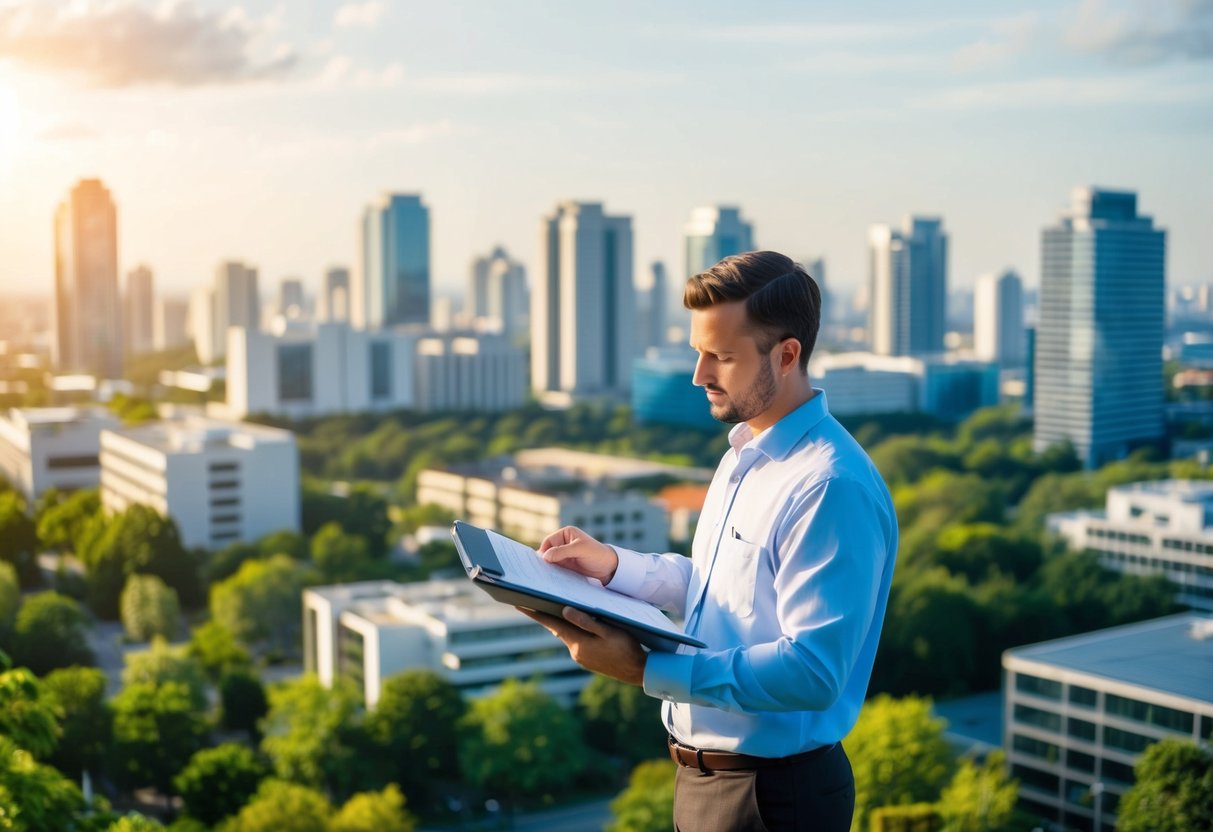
(789, 355)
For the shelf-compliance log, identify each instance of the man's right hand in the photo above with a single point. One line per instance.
(573, 549)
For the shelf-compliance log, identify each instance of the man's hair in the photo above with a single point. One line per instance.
(781, 299)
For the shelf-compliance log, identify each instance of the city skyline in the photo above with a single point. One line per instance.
(833, 119)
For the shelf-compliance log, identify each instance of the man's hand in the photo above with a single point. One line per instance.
(596, 646)
(573, 549)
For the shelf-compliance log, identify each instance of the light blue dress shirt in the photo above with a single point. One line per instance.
(787, 585)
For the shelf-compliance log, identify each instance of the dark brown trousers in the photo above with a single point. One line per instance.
(817, 795)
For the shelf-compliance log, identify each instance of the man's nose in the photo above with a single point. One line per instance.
(701, 376)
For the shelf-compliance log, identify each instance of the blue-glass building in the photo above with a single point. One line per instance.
(1098, 374)
(662, 392)
(394, 284)
(714, 233)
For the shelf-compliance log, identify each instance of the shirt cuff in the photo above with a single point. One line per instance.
(668, 676)
(630, 573)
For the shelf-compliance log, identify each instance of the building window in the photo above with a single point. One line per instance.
(222, 485)
(55, 463)
(1125, 740)
(381, 370)
(226, 518)
(1082, 697)
(1040, 780)
(220, 502)
(1119, 772)
(1041, 719)
(295, 372)
(1045, 688)
(350, 658)
(1149, 714)
(1206, 728)
(215, 467)
(1080, 761)
(1036, 748)
(1081, 729)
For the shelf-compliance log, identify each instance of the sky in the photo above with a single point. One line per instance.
(259, 131)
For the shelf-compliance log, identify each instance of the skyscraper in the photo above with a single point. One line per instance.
(651, 308)
(497, 291)
(583, 304)
(290, 296)
(713, 233)
(335, 298)
(998, 330)
(170, 323)
(88, 313)
(1098, 371)
(231, 300)
(816, 267)
(908, 287)
(137, 314)
(393, 285)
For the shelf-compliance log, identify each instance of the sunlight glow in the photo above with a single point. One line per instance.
(10, 124)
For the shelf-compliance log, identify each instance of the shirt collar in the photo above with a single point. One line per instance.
(779, 439)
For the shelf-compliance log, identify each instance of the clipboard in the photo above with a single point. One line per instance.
(480, 560)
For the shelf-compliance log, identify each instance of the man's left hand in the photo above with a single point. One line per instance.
(596, 646)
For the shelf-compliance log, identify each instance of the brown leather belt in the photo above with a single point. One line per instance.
(698, 758)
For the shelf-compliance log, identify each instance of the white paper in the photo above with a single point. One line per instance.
(526, 567)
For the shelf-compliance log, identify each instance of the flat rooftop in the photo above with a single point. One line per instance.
(1173, 655)
(195, 434)
(1189, 491)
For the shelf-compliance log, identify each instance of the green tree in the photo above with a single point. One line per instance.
(157, 728)
(339, 555)
(907, 459)
(415, 727)
(647, 804)
(34, 796)
(27, 716)
(621, 720)
(10, 599)
(87, 721)
(163, 662)
(261, 602)
(135, 822)
(216, 649)
(1173, 791)
(284, 542)
(978, 550)
(61, 523)
(979, 797)
(311, 734)
(282, 807)
(1092, 598)
(149, 608)
(18, 537)
(243, 702)
(50, 633)
(218, 781)
(899, 755)
(381, 811)
(521, 741)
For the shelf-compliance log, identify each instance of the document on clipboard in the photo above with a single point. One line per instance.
(516, 574)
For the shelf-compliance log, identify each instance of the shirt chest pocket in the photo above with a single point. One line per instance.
(735, 575)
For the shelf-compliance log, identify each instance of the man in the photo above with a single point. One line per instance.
(787, 583)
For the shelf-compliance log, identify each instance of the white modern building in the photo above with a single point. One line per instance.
(1151, 528)
(232, 300)
(138, 309)
(498, 295)
(221, 482)
(52, 447)
(1080, 711)
(862, 382)
(328, 368)
(1098, 350)
(373, 630)
(908, 287)
(534, 493)
(998, 327)
(583, 303)
(713, 233)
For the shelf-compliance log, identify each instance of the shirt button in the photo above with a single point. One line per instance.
(734, 478)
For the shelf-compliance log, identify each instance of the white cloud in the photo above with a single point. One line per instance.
(122, 43)
(359, 15)
(1140, 32)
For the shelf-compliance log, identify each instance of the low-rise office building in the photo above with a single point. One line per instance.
(1080, 711)
(221, 482)
(944, 386)
(370, 631)
(1151, 528)
(52, 447)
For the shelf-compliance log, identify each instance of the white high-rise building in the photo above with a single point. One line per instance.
(712, 234)
(998, 329)
(583, 304)
(52, 447)
(370, 631)
(1098, 351)
(232, 300)
(908, 287)
(332, 368)
(497, 293)
(335, 297)
(221, 482)
(88, 308)
(170, 323)
(393, 285)
(137, 319)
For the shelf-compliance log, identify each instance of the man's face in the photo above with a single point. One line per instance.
(738, 379)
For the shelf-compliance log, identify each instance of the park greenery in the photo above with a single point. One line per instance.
(976, 574)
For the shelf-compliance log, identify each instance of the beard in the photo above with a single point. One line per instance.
(749, 404)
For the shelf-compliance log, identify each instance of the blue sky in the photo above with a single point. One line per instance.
(259, 131)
